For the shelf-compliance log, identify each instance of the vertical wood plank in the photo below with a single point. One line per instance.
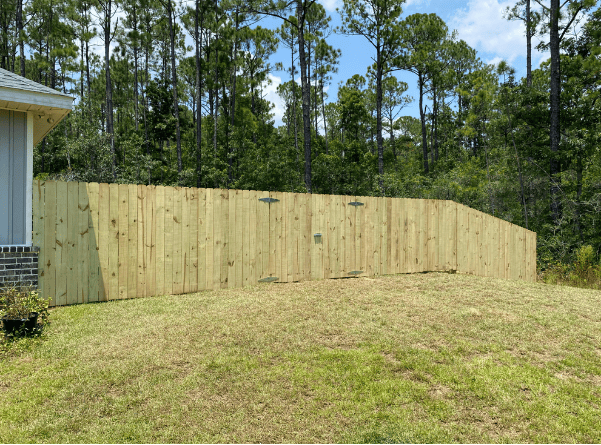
(533, 256)
(402, 216)
(178, 256)
(328, 217)
(499, 262)
(113, 241)
(159, 239)
(217, 237)
(315, 266)
(193, 240)
(262, 215)
(225, 236)
(103, 241)
(132, 240)
(202, 239)
(123, 195)
(277, 207)
(304, 245)
(282, 271)
(441, 234)
(409, 235)
(148, 251)
(48, 266)
(393, 238)
(291, 248)
(72, 249)
(38, 229)
(453, 223)
(253, 251)
(338, 251)
(422, 252)
(367, 246)
(246, 225)
(265, 236)
(153, 240)
(169, 242)
(185, 249)
(521, 249)
(461, 239)
(387, 244)
(231, 228)
(241, 222)
(141, 284)
(360, 235)
(210, 239)
(350, 236)
(378, 235)
(273, 225)
(60, 259)
(94, 249)
(294, 233)
(308, 235)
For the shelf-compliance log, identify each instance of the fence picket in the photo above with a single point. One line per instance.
(101, 241)
(159, 239)
(94, 261)
(141, 282)
(169, 244)
(123, 240)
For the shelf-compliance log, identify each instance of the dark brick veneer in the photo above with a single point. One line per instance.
(18, 264)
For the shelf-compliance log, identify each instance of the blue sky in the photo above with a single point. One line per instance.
(479, 22)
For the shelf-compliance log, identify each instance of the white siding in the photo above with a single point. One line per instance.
(13, 174)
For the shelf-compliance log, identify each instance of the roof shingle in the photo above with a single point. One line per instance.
(11, 80)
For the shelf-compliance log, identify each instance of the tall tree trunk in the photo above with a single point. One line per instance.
(292, 72)
(136, 112)
(20, 36)
(323, 111)
(528, 45)
(145, 98)
(392, 143)
(109, 90)
(216, 113)
(554, 110)
(435, 125)
(300, 15)
(198, 41)
(379, 138)
(423, 119)
(233, 97)
(178, 139)
(88, 77)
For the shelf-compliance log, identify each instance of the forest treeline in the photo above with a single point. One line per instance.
(152, 108)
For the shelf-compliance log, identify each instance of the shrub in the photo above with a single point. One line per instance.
(17, 302)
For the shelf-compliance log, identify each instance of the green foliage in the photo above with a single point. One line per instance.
(483, 133)
(17, 302)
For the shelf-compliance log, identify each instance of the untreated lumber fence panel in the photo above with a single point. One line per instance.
(101, 242)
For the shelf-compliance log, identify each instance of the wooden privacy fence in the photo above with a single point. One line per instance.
(102, 242)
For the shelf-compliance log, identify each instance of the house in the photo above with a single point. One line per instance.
(28, 112)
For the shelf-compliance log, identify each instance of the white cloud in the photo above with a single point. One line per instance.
(331, 5)
(483, 27)
(270, 93)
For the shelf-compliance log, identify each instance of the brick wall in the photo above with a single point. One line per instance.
(18, 264)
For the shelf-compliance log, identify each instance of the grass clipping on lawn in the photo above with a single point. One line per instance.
(408, 358)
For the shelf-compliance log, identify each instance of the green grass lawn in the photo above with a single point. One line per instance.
(409, 358)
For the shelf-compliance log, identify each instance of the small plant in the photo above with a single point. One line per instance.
(584, 259)
(20, 302)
